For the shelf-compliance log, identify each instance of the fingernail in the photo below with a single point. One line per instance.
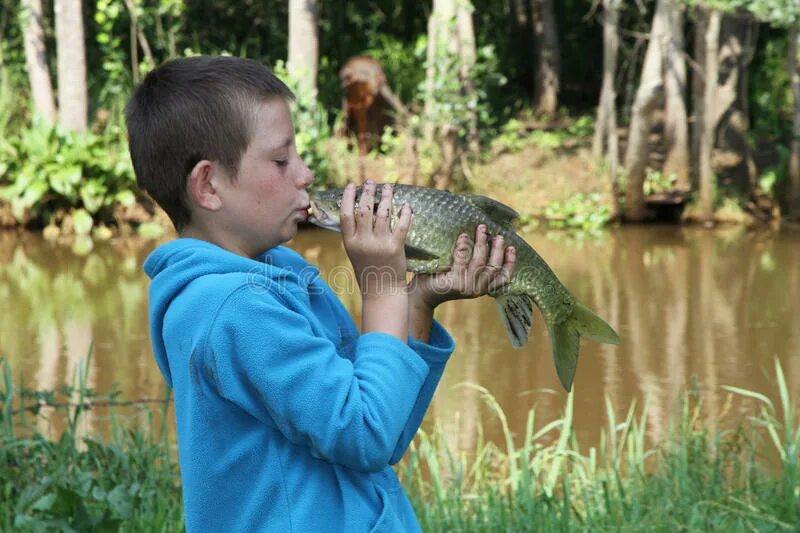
(387, 186)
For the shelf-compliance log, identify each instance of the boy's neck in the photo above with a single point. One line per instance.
(193, 231)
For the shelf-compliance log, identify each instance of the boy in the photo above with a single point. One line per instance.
(288, 419)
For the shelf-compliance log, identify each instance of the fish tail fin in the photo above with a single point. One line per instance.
(516, 312)
(565, 338)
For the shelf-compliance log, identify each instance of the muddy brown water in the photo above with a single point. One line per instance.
(719, 306)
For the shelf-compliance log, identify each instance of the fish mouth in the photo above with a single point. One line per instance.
(319, 217)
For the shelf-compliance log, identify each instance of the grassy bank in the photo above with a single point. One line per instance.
(697, 479)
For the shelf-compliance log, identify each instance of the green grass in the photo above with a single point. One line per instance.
(699, 478)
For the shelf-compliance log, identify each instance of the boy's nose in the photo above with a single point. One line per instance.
(307, 177)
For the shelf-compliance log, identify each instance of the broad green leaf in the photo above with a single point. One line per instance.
(65, 180)
(126, 198)
(82, 221)
(150, 230)
(93, 195)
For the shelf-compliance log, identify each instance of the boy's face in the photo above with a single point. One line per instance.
(263, 205)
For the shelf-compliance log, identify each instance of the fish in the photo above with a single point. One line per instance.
(439, 218)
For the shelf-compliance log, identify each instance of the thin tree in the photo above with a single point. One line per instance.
(710, 114)
(546, 78)
(648, 97)
(32, 23)
(793, 189)
(450, 107)
(466, 53)
(605, 134)
(676, 125)
(303, 60)
(73, 99)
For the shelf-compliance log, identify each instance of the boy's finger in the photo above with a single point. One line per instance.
(478, 260)
(346, 218)
(404, 223)
(507, 271)
(366, 207)
(461, 253)
(383, 214)
(496, 254)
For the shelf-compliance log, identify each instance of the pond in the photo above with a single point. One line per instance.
(715, 305)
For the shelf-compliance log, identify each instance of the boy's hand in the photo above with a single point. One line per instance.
(476, 270)
(376, 251)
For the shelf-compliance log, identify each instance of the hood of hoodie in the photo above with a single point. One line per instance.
(176, 264)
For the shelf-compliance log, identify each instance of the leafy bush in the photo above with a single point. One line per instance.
(586, 212)
(47, 171)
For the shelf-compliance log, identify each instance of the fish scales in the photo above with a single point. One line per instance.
(449, 215)
(439, 218)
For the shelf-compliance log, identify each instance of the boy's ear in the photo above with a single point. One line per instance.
(202, 187)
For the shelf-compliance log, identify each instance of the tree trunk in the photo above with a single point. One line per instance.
(303, 60)
(707, 136)
(546, 79)
(698, 90)
(737, 46)
(648, 95)
(605, 133)
(793, 189)
(441, 48)
(466, 53)
(676, 126)
(438, 24)
(73, 99)
(520, 32)
(36, 60)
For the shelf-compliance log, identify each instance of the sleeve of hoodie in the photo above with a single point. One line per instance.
(270, 362)
(435, 352)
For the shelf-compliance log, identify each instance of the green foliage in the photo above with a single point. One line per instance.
(46, 170)
(655, 182)
(109, 44)
(311, 127)
(699, 478)
(82, 483)
(514, 135)
(581, 211)
(770, 90)
(394, 33)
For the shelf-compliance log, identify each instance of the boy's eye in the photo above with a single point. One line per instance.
(281, 162)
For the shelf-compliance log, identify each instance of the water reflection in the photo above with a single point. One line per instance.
(717, 305)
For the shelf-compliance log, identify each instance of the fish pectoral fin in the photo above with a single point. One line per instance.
(412, 252)
(516, 312)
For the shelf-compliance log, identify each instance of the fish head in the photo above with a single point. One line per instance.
(325, 209)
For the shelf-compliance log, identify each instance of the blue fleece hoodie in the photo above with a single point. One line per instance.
(287, 418)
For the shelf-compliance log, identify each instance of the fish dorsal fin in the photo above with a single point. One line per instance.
(516, 312)
(498, 212)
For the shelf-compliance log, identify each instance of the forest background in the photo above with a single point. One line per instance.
(577, 111)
